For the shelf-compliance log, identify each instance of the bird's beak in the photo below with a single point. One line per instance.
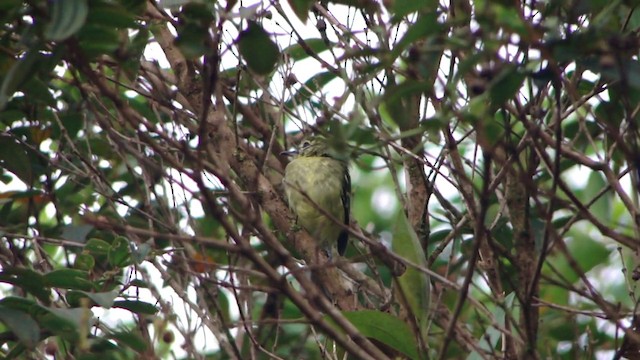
(290, 153)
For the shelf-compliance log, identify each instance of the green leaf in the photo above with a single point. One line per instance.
(425, 26)
(395, 101)
(413, 285)
(97, 39)
(586, 251)
(27, 279)
(120, 252)
(489, 340)
(311, 86)
(601, 208)
(67, 17)
(401, 8)
(14, 158)
(192, 41)
(19, 73)
(22, 325)
(18, 303)
(299, 51)
(506, 85)
(104, 299)
(138, 307)
(257, 49)
(301, 8)
(139, 283)
(385, 328)
(84, 262)
(110, 14)
(62, 322)
(68, 279)
(140, 253)
(130, 339)
(97, 247)
(610, 113)
(7, 5)
(77, 233)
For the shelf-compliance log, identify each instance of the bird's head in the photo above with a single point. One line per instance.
(318, 146)
(314, 146)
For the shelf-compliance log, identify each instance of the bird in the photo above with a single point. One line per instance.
(317, 183)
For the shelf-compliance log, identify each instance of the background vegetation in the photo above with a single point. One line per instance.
(494, 156)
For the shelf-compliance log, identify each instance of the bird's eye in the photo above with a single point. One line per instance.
(305, 144)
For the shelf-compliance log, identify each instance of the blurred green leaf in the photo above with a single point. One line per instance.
(22, 325)
(67, 17)
(103, 299)
(310, 88)
(130, 339)
(110, 14)
(140, 253)
(586, 251)
(257, 49)
(401, 8)
(426, 25)
(120, 252)
(192, 41)
(77, 233)
(489, 340)
(95, 39)
(14, 158)
(611, 113)
(27, 279)
(301, 8)
(385, 328)
(298, 51)
(84, 262)
(63, 322)
(506, 85)
(138, 307)
(601, 208)
(97, 247)
(19, 73)
(68, 279)
(413, 285)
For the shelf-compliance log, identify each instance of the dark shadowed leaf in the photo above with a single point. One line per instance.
(14, 158)
(138, 307)
(301, 8)
(425, 26)
(120, 252)
(67, 17)
(63, 322)
(401, 8)
(130, 339)
(97, 247)
(385, 328)
(191, 40)
(300, 51)
(77, 233)
(84, 262)
(22, 325)
(506, 85)
(257, 49)
(28, 280)
(68, 279)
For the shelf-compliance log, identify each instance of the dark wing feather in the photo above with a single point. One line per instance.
(345, 196)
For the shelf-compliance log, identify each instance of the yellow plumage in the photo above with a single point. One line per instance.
(316, 180)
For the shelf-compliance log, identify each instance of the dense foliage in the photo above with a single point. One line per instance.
(494, 159)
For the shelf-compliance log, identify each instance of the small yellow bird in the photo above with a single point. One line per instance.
(317, 179)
